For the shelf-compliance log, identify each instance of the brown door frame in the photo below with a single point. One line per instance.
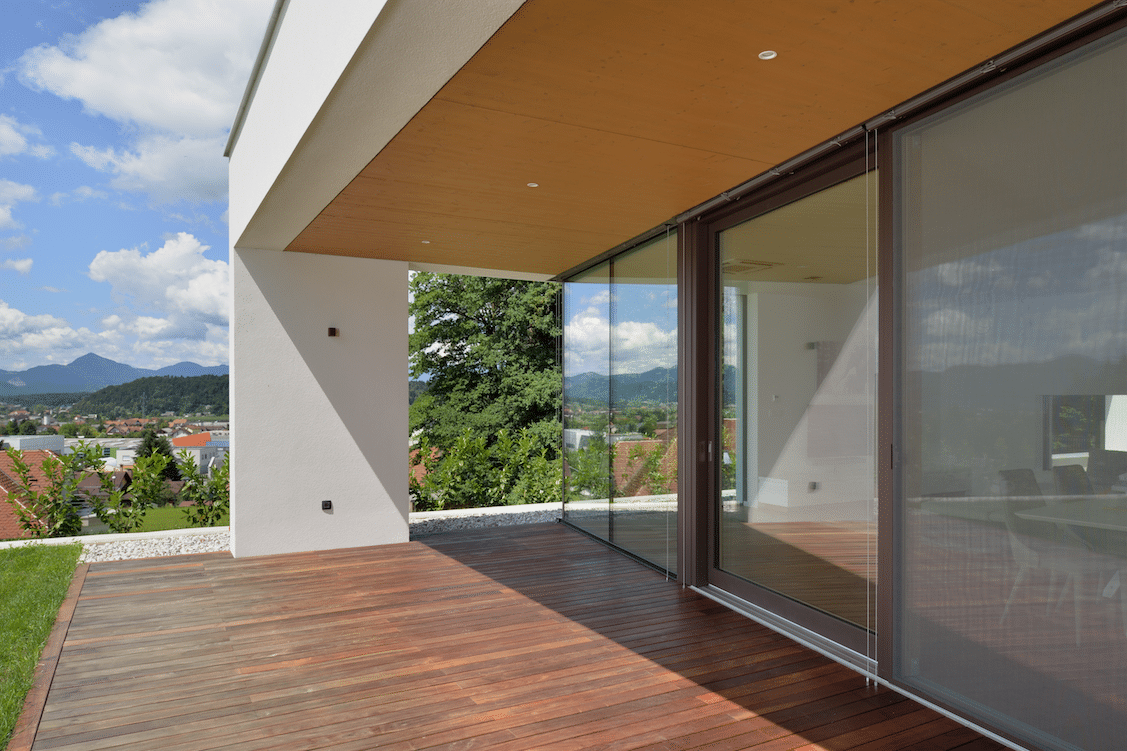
(699, 387)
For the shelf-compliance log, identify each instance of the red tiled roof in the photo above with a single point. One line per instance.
(187, 441)
(629, 471)
(9, 487)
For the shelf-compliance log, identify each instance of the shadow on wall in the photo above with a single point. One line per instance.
(322, 416)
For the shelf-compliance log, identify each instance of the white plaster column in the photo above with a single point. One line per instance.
(315, 417)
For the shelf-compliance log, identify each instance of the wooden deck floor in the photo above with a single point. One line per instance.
(528, 637)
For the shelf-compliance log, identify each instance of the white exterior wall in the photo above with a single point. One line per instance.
(318, 418)
(335, 87)
(54, 443)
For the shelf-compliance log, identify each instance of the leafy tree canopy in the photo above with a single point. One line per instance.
(489, 346)
(153, 444)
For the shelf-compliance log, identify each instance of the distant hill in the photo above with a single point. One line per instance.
(657, 385)
(150, 397)
(88, 374)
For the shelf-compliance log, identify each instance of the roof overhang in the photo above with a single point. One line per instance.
(623, 115)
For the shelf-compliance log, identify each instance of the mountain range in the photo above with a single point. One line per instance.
(90, 373)
(657, 385)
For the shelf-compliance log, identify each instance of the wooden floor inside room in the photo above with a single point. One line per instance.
(531, 637)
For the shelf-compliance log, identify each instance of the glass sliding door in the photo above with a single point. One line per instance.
(586, 401)
(796, 514)
(620, 401)
(1012, 549)
(643, 401)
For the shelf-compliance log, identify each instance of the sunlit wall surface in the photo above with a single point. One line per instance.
(620, 401)
(1013, 484)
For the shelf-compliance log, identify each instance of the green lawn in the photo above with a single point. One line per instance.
(170, 517)
(33, 583)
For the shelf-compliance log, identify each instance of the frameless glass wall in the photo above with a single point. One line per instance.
(620, 401)
(797, 512)
(1013, 415)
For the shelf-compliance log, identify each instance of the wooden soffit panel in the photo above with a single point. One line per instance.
(627, 113)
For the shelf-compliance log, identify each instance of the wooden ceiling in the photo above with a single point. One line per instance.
(628, 112)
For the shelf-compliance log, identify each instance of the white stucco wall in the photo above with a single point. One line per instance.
(313, 417)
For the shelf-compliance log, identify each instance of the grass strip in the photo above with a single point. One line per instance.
(168, 517)
(33, 583)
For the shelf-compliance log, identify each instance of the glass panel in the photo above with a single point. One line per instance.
(1013, 543)
(586, 400)
(798, 379)
(620, 401)
(644, 401)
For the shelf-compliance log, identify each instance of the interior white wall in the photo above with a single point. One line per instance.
(341, 80)
(318, 418)
(782, 387)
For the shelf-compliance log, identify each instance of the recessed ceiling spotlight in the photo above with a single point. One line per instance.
(768, 55)
(533, 185)
(426, 242)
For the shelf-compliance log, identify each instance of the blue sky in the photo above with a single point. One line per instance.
(113, 184)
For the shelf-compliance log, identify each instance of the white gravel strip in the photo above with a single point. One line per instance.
(433, 522)
(102, 548)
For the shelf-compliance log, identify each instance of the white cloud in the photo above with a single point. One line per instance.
(176, 281)
(173, 308)
(21, 334)
(965, 272)
(84, 192)
(80, 194)
(635, 346)
(22, 265)
(15, 242)
(173, 72)
(168, 168)
(12, 193)
(14, 139)
(601, 297)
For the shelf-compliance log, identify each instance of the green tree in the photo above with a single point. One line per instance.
(488, 421)
(49, 509)
(515, 469)
(210, 496)
(489, 347)
(149, 485)
(122, 514)
(152, 444)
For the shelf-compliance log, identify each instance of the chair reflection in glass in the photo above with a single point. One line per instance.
(1042, 545)
(1070, 479)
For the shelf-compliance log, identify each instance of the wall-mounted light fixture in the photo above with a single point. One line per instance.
(334, 331)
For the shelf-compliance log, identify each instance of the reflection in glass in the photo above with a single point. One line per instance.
(797, 506)
(1014, 481)
(586, 400)
(620, 401)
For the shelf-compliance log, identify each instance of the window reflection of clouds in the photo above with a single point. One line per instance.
(1063, 294)
(643, 337)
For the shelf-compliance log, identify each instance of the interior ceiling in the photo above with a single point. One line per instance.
(627, 113)
(822, 238)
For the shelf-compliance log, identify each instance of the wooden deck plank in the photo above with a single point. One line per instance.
(513, 638)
